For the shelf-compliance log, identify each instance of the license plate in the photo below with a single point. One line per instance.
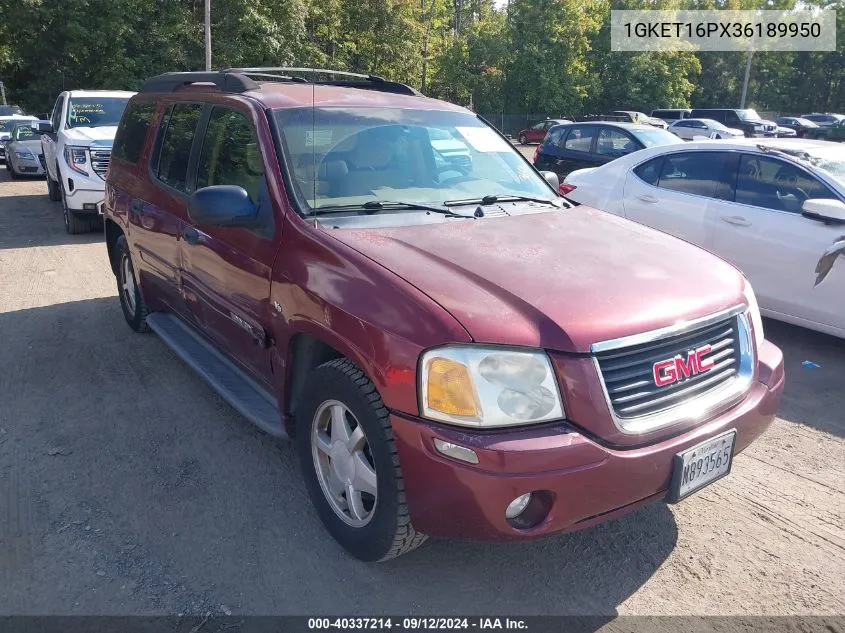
(701, 465)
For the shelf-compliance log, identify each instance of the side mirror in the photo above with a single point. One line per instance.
(551, 178)
(223, 205)
(45, 127)
(828, 211)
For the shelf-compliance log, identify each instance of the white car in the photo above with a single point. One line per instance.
(700, 129)
(7, 124)
(23, 151)
(77, 143)
(771, 207)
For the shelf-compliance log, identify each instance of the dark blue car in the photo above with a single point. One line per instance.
(574, 146)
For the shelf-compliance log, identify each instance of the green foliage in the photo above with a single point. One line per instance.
(528, 56)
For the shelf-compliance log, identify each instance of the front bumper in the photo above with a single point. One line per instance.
(85, 194)
(587, 481)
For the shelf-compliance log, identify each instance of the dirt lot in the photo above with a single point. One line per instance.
(127, 486)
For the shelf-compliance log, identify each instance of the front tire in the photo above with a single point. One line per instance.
(350, 463)
(73, 223)
(134, 309)
(14, 175)
(523, 140)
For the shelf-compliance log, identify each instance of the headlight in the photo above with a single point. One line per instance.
(76, 157)
(25, 155)
(754, 312)
(488, 387)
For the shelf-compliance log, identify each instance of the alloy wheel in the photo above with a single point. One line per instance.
(127, 283)
(344, 464)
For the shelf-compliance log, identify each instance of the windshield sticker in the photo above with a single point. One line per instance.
(484, 139)
(317, 138)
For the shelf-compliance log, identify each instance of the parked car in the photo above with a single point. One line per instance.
(746, 120)
(577, 145)
(7, 124)
(631, 116)
(77, 143)
(455, 357)
(770, 208)
(537, 132)
(698, 129)
(801, 125)
(824, 120)
(10, 110)
(671, 115)
(835, 132)
(785, 132)
(23, 152)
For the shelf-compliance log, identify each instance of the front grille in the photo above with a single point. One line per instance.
(100, 161)
(628, 373)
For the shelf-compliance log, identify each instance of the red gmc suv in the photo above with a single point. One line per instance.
(456, 351)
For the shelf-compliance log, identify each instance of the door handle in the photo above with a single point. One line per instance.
(191, 235)
(736, 220)
(648, 198)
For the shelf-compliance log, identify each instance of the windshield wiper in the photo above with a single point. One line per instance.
(504, 197)
(373, 206)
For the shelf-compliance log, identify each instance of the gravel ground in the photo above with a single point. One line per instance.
(128, 487)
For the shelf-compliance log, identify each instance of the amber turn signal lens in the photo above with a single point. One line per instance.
(450, 388)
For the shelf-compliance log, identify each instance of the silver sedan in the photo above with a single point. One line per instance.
(24, 156)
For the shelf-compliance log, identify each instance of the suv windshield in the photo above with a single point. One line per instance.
(95, 111)
(350, 156)
(748, 115)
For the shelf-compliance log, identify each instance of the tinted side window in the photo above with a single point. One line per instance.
(650, 171)
(230, 153)
(56, 117)
(614, 143)
(698, 173)
(776, 184)
(129, 140)
(580, 139)
(555, 137)
(176, 144)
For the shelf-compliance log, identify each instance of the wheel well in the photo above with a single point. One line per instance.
(112, 233)
(306, 353)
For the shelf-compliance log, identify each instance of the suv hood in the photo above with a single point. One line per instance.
(560, 280)
(86, 135)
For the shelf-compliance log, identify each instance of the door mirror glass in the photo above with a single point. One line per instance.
(45, 127)
(825, 210)
(551, 178)
(223, 205)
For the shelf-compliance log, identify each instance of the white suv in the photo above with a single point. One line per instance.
(77, 143)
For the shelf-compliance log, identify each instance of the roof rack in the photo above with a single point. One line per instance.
(237, 80)
(227, 82)
(348, 79)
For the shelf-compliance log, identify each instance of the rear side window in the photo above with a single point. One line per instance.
(614, 143)
(555, 137)
(230, 154)
(132, 131)
(580, 139)
(176, 144)
(650, 171)
(698, 173)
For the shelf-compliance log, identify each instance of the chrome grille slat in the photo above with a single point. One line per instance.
(627, 372)
(690, 342)
(100, 161)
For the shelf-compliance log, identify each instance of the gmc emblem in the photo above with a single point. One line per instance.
(672, 370)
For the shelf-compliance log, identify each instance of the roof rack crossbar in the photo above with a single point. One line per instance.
(355, 80)
(225, 81)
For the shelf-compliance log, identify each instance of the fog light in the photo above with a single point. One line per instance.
(455, 451)
(517, 506)
(89, 206)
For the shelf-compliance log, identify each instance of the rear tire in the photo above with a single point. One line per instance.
(371, 527)
(134, 309)
(53, 190)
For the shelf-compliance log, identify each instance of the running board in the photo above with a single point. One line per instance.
(250, 399)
